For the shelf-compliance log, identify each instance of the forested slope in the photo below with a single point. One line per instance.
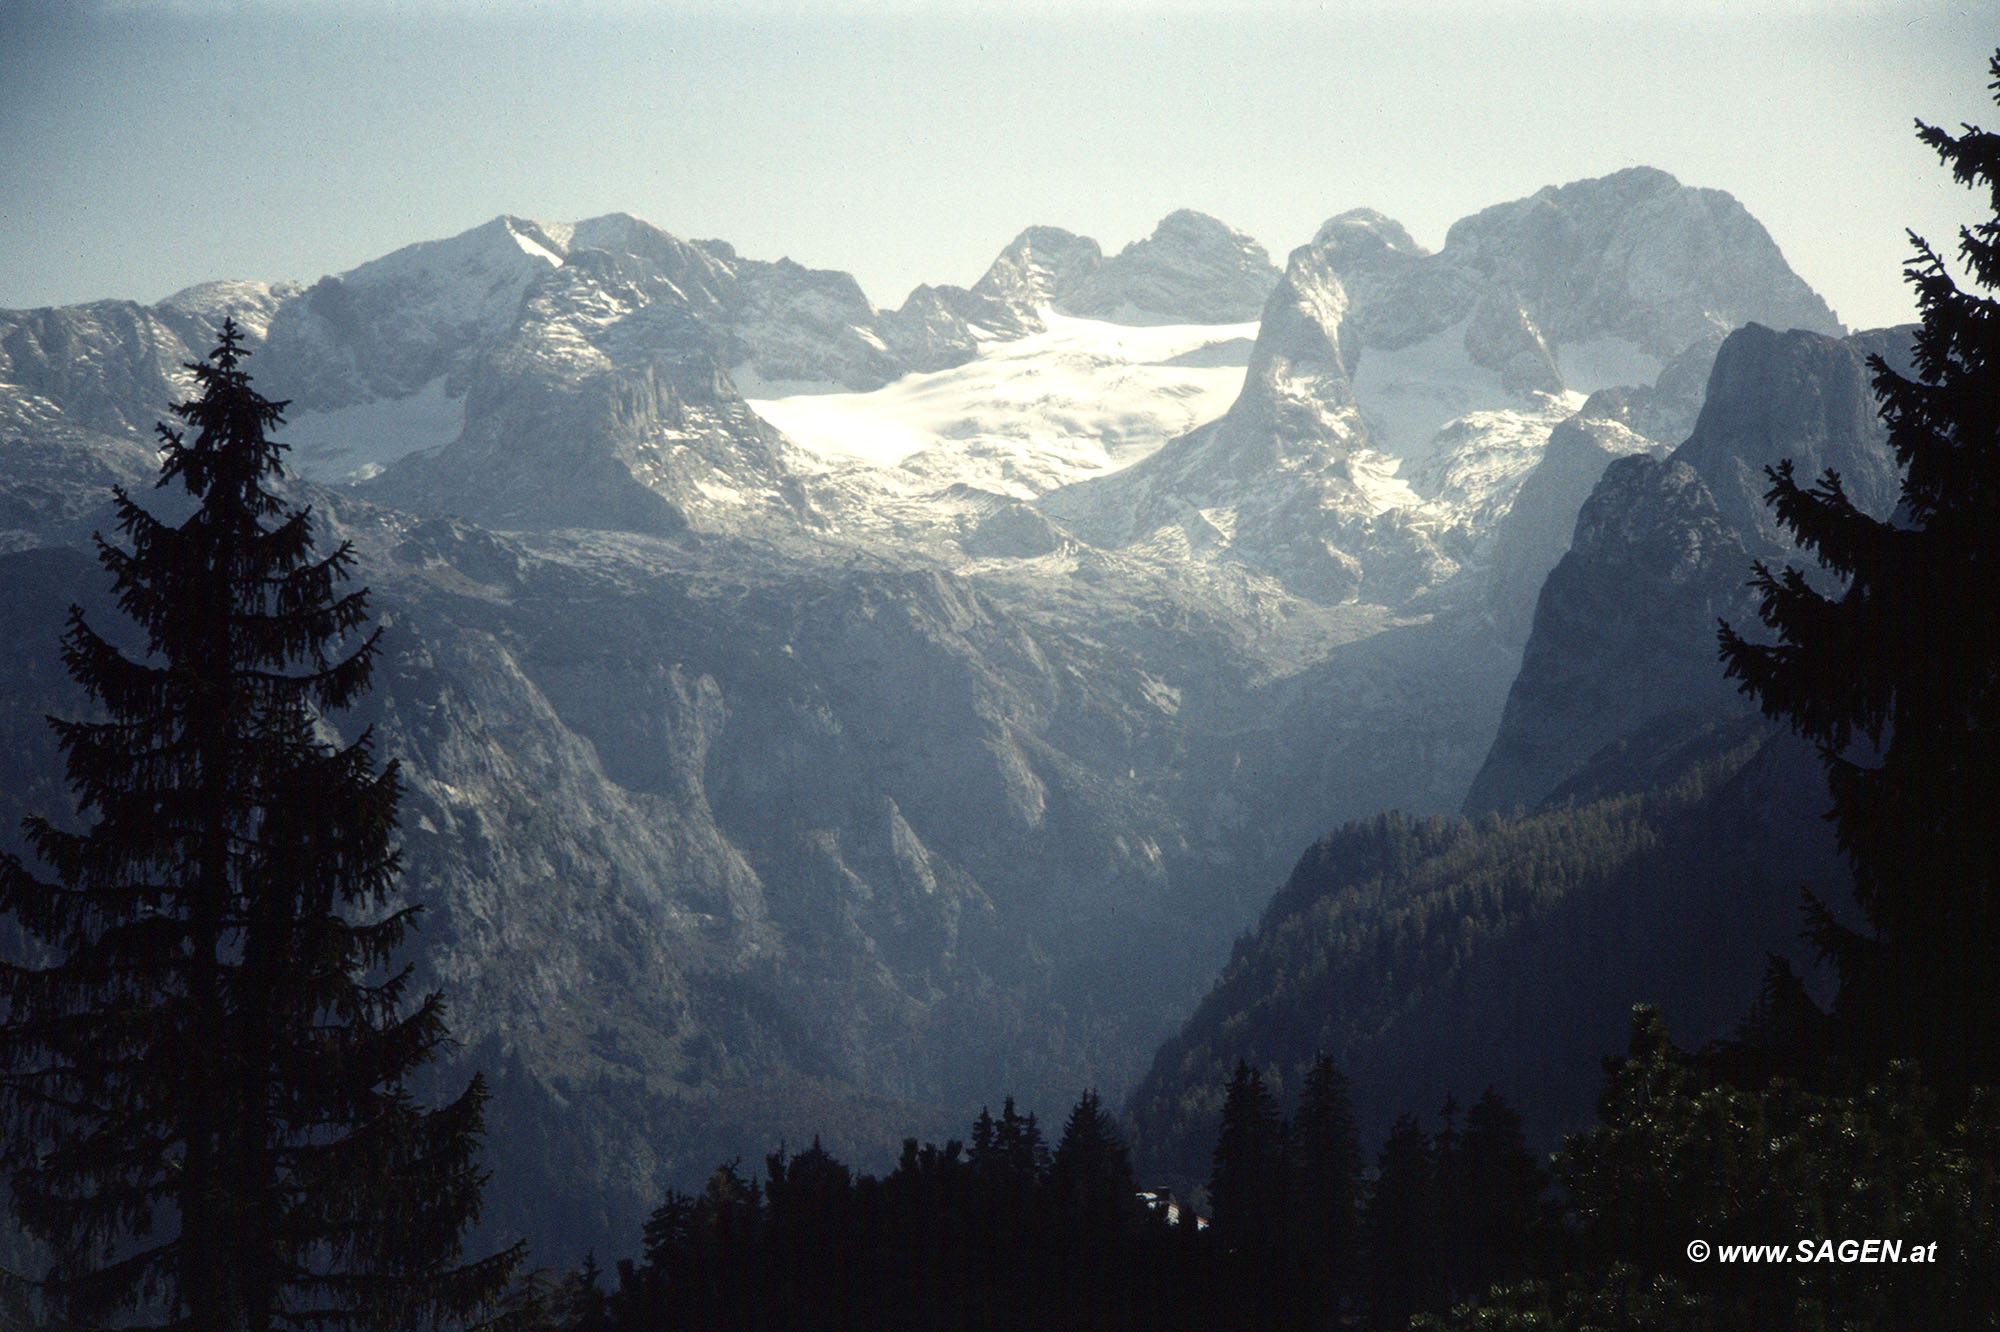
(1438, 956)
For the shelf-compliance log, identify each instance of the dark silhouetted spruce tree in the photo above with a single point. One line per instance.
(1326, 1185)
(1400, 1230)
(1089, 1181)
(1091, 1214)
(1896, 677)
(203, 1075)
(1007, 1162)
(1489, 1188)
(1247, 1188)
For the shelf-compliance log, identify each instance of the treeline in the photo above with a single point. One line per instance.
(1004, 1232)
(1450, 1226)
(1306, 1235)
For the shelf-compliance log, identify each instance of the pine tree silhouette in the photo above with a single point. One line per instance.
(1326, 1186)
(1247, 1189)
(1490, 1185)
(1091, 1216)
(1400, 1226)
(1896, 678)
(205, 1091)
(1089, 1179)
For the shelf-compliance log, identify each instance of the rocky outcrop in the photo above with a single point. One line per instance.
(1624, 627)
(60, 477)
(939, 327)
(1635, 255)
(389, 327)
(1040, 267)
(1623, 630)
(1536, 531)
(1793, 395)
(1191, 270)
(109, 367)
(583, 420)
(1284, 483)
(1579, 287)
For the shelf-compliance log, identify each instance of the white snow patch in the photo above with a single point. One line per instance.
(1081, 398)
(354, 443)
(536, 249)
(1223, 519)
(1482, 458)
(847, 427)
(1375, 477)
(562, 233)
(1407, 395)
(719, 493)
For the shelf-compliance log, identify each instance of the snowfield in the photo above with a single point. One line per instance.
(357, 442)
(1083, 398)
(1087, 398)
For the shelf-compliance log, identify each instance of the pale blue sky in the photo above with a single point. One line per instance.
(149, 144)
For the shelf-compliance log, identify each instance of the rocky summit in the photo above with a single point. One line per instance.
(1624, 628)
(814, 714)
(1193, 269)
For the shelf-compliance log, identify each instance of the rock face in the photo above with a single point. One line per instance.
(77, 388)
(1292, 483)
(391, 326)
(96, 366)
(1396, 399)
(753, 788)
(1639, 256)
(1578, 287)
(605, 407)
(1039, 267)
(428, 319)
(1624, 628)
(1282, 458)
(1621, 630)
(1788, 395)
(1536, 531)
(1191, 270)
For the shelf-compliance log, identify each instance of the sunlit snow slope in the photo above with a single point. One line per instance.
(1026, 416)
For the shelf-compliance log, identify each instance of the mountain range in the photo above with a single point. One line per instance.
(1636, 833)
(824, 719)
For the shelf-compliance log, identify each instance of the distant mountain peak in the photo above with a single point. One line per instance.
(1639, 256)
(1360, 232)
(1193, 269)
(1297, 387)
(1793, 394)
(1197, 228)
(1624, 625)
(1039, 267)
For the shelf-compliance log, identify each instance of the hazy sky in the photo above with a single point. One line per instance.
(149, 144)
